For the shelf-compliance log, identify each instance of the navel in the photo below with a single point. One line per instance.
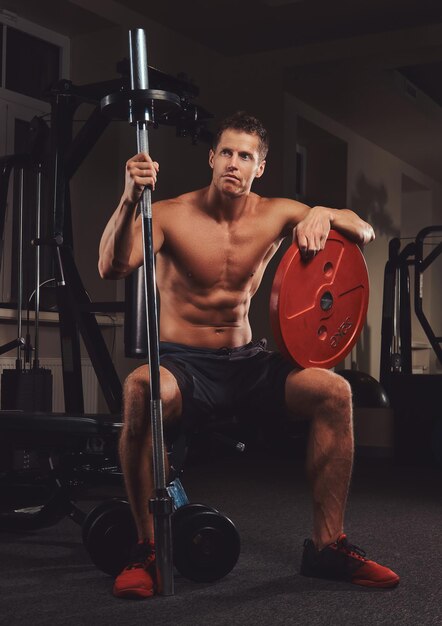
(219, 331)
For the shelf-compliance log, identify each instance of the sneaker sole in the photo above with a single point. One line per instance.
(388, 584)
(134, 593)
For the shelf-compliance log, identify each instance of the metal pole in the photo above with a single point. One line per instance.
(161, 504)
(18, 363)
(37, 272)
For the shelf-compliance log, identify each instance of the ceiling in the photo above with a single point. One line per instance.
(250, 26)
(373, 65)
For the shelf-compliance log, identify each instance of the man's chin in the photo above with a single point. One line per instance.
(231, 189)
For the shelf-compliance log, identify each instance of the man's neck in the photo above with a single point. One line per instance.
(225, 207)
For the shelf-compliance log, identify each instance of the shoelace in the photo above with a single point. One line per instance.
(349, 547)
(141, 558)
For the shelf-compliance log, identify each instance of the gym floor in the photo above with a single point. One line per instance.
(394, 513)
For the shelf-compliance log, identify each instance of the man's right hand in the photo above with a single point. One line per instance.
(141, 171)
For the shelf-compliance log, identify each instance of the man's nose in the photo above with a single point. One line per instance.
(233, 163)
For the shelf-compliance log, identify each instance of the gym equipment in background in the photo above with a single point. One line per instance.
(83, 447)
(60, 155)
(78, 452)
(27, 388)
(415, 398)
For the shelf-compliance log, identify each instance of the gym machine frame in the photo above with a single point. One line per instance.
(417, 435)
(206, 543)
(64, 156)
(396, 313)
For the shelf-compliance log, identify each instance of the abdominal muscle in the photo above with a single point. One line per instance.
(215, 321)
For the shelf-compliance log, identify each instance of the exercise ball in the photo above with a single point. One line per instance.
(367, 391)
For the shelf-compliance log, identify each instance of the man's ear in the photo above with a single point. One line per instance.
(261, 168)
(211, 155)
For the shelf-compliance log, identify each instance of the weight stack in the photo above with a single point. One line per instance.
(27, 390)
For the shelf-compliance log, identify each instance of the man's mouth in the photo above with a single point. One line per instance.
(230, 176)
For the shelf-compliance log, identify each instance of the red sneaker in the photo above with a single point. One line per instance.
(137, 578)
(343, 561)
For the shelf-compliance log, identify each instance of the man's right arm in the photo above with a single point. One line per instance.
(121, 246)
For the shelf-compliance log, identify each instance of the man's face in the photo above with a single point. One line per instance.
(236, 162)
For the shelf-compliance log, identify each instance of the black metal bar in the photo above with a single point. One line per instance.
(420, 266)
(388, 312)
(161, 504)
(424, 263)
(387, 322)
(7, 164)
(62, 112)
(37, 273)
(405, 318)
(63, 106)
(85, 139)
(69, 342)
(11, 345)
(18, 361)
(423, 234)
(79, 303)
(431, 257)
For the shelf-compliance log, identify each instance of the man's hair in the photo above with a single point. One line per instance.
(248, 124)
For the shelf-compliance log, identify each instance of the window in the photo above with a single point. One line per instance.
(31, 59)
(32, 64)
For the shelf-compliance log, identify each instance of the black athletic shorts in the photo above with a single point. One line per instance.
(227, 381)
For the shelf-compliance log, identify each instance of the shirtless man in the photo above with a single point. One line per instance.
(212, 248)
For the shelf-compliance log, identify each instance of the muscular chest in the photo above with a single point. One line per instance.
(214, 255)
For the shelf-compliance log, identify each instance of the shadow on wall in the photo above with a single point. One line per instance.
(370, 203)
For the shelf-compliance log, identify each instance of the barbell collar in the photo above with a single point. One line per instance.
(138, 105)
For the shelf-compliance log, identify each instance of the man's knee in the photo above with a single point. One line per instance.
(336, 389)
(136, 398)
(137, 385)
(316, 389)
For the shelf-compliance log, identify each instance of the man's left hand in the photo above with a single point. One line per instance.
(311, 233)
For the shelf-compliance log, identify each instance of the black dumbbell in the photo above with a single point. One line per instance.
(206, 544)
(109, 533)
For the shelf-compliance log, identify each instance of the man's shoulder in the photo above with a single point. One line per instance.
(188, 199)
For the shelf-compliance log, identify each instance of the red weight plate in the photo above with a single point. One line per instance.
(318, 307)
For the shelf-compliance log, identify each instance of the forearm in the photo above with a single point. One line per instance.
(117, 242)
(351, 225)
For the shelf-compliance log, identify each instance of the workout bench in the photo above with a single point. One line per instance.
(81, 450)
